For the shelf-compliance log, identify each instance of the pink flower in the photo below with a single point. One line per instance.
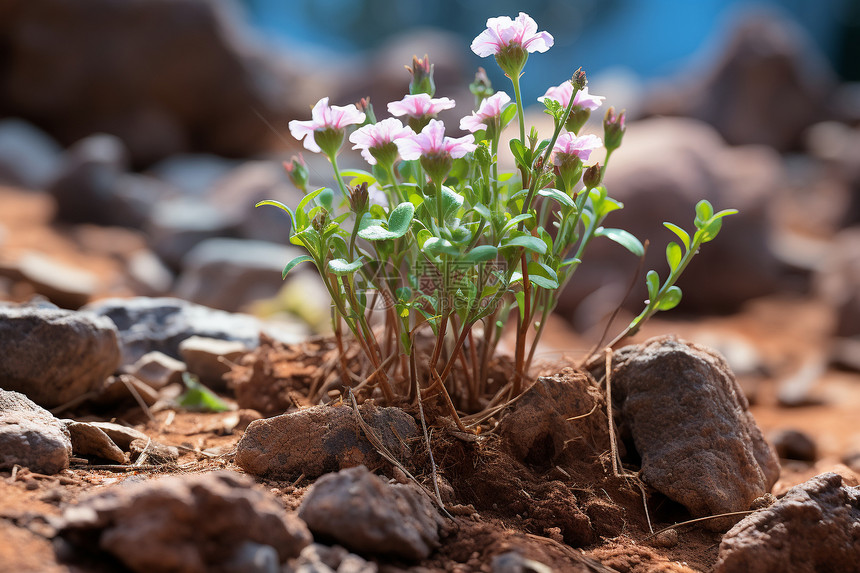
(432, 142)
(569, 145)
(583, 99)
(419, 105)
(379, 139)
(324, 117)
(435, 151)
(502, 32)
(491, 109)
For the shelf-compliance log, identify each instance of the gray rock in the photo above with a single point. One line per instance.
(68, 287)
(157, 369)
(147, 324)
(321, 439)
(88, 440)
(192, 174)
(364, 513)
(121, 435)
(665, 166)
(317, 558)
(31, 437)
(191, 523)
(54, 356)
(232, 273)
(794, 445)
(212, 98)
(209, 358)
(814, 527)
(177, 225)
(690, 422)
(28, 156)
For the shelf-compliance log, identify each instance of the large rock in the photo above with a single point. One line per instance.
(31, 437)
(148, 324)
(54, 355)
(690, 423)
(838, 282)
(67, 286)
(814, 527)
(28, 156)
(230, 274)
(538, 428)
(321, 439)
(193, 523)
(769, 85)
(201, 86)
(364, 513)
(93, 185)
(665, 166)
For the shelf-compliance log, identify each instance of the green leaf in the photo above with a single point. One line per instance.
(623, 238)
(542, 276)
(307, 198)
(451, 201)
(652, 279)
(709, 230)
(400, 218)
(198, 397)
(529, 242)
(480, 254)
(398, 224)
(435, 246)
(422, 237)
(279, 205)
(343, 267)
(704, 210)
(515, 221)
(682, 234)
(557, 195)
(670, 299)
(508, 114)
(358, 177)
(521, 154)
(295, 262)
(568, 262)
(725, 213)
(673, 255)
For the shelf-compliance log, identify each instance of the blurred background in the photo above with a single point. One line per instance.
(136, 136)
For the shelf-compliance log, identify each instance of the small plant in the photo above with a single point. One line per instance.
(436, 236)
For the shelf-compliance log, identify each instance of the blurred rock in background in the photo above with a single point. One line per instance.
(164, 76)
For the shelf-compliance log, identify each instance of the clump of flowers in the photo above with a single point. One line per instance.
(431, 238)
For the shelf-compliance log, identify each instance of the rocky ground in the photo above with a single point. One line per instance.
(106, 469)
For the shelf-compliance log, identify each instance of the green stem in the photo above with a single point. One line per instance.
(516, 81)
(394, 183)
(340, 184)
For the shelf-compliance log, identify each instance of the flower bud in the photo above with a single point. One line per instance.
(578, 80)
(422, 76)
(481, 88)
(592, 176)
(366, 108)
(320, 222)
(568, 171)
(297, 170)
(613, 129)
(358, 198)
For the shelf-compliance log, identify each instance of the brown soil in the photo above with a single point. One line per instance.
(500, 503)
